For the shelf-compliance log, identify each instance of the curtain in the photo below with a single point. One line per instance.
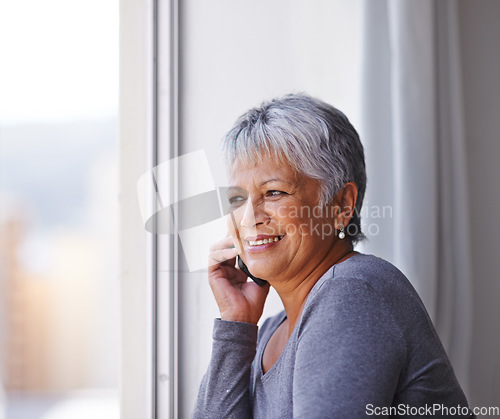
(412, 128)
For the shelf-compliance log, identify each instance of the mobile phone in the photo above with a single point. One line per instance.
(260, 282)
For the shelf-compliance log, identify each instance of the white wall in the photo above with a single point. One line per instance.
(480, 34)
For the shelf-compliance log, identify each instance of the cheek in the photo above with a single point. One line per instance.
(234, 233)
(296, 228)
(232, 225)
(291, 220)
(234, 221)
(311, 229)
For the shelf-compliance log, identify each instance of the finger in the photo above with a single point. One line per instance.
(234, 274)
(225, 243)
(225, 278)
(221, 256)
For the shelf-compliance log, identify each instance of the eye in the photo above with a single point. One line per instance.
(236, 200)
(275, 193)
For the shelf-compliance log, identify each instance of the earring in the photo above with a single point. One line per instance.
(341, 232)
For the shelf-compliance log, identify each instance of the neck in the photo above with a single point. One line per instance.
(294, 291)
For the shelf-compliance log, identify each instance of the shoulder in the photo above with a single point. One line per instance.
(365, 279)
(366, 294)
(360, 275)
(368, 267)
(347, 317)
(347, 300)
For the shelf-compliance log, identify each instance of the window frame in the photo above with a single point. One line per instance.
(148, 135)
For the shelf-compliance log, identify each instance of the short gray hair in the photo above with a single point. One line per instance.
(313, 137)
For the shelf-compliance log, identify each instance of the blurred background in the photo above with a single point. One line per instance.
(59, 285)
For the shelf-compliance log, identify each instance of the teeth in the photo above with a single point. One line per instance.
(264, 241)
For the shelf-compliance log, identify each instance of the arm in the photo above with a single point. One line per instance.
(349, 354)
(225, 389)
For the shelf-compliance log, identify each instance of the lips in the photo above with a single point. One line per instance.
(261, 240)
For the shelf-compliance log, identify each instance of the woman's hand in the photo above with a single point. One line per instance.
(238, 300)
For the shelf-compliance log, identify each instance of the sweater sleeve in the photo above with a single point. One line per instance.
(349, 354)
(225, 388)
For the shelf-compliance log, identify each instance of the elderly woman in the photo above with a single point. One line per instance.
(354, 338)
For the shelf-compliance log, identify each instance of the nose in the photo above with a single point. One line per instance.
(253, 215)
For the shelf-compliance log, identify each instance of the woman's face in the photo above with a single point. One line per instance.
(276, 222)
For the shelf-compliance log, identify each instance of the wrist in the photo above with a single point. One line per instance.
(238, 318)
(239, 333)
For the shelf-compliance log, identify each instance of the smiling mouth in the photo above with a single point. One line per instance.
(264, 241)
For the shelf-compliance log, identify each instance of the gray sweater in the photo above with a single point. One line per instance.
(363, 345)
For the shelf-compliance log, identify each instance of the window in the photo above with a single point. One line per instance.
(59, 241)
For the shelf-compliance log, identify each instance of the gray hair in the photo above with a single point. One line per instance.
(313, 137)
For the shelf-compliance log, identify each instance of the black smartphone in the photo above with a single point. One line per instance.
(260, 282)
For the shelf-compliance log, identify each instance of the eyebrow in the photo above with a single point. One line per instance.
(234, 189)
(263, 183)
(272, 180)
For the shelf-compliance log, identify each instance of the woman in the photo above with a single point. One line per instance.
(354, 338)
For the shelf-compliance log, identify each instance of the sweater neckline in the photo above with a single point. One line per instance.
(330, 273)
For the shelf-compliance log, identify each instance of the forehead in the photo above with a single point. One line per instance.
(266, 168)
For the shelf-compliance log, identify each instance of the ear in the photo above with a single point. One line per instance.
(345, 203)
